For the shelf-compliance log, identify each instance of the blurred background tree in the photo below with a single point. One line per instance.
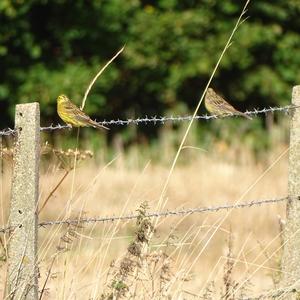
(52, 47)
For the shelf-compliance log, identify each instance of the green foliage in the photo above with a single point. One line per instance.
(52, 47)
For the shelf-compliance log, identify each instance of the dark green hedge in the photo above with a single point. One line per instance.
(57, 46)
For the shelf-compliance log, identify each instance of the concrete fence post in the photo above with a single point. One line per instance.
(22, 281)
(290, 263)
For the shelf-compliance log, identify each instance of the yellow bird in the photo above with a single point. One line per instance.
(72, 115)
(216, 105)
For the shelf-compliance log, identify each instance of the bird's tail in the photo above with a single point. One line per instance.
(244, 115)
(97, 125)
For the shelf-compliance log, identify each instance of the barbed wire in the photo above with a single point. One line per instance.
(167, 213)
(7, 131)
(162, 119)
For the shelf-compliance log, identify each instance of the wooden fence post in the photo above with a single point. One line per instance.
(22, 249)
(291, 252)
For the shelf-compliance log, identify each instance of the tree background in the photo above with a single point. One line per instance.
(53, 47)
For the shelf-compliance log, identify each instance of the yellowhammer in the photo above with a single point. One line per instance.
(72, 115)
(216, 105)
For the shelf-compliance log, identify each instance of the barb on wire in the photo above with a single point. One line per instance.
(167, 213)
(7, 131)
(55, 127)
(161, 120)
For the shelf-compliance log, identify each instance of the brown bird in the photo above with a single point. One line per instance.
(216, 105)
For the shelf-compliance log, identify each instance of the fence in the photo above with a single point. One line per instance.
(22, 281)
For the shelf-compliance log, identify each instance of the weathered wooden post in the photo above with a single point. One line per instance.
(291, 252)
(22, 249)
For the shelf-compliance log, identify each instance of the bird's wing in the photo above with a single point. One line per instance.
(223, 104)
(69, 106)
(78, 114)
(82, 117)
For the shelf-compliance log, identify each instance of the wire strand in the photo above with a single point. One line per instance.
(163, 119)
(187, 211)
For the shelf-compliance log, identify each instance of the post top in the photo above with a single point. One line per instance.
(25, 105)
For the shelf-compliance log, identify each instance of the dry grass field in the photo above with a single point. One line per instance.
(225, 254)
(210, 255)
